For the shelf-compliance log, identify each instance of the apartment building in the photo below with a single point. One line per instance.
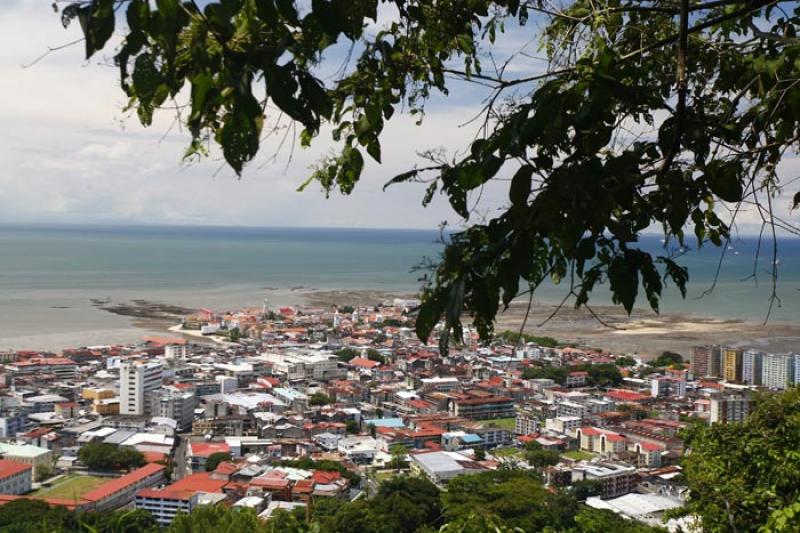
(136, 380)
(752, 367)
(732, 364)
(732, 408)
(777, 370)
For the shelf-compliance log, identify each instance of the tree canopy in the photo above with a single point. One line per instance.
(741, 474)
(668, 114)
(106, 456)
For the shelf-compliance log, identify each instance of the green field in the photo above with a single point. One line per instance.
(70, 487)
(506, 452)
(504, 423)
(578, 455)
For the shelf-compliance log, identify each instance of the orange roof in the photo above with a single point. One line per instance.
(205, 449)
(11, 468)
(201, 482)
(304, 485)
(115, 485)
(154, 457)
(163, 341)
(166, 494)
(362, 362)
(324, 477)
(269, 482)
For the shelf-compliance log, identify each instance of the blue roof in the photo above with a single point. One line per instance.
(471, 438)
(386, 422)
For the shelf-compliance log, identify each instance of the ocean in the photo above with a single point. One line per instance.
(49, 275)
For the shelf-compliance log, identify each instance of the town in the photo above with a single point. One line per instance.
(276, 409)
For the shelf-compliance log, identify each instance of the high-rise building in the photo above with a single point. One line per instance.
(732, 364)
(136, 380)
(752, 362)
(707, 361)
(732, 408)
(796, 369)
(777, 370)
(175, 404)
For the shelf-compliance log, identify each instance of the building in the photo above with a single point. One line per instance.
(175, 404)
(119, 492)
(707, 361)
(526, 423)
(11, 424)
(777, 370)
(175, 351)
(616, 478)
(732, 364)
(199, 452)
(441, 467)
(732, 408)
(752, 367)
(482, 407)
(136, 380)
(563, 424)
(15, 477)
(667, 387)
(165, 504)
(60, 367)
(27, 454)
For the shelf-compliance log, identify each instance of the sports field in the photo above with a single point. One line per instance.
(70, 487)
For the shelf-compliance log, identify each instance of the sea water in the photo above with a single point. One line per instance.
(49, 275)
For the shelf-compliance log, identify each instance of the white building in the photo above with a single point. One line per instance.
(136, 379)
(319, 366)
(359, 449)
(777, 370)
(733, 408)
(752, 367)
(563, 424)
(15, 477)
(175, 351)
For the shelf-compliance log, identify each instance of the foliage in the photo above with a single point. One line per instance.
(625, 361)
(515, 495)
(643, 114)
(392, 322)
(739, 474)
(399, 454)
(351, 426)
(603, 374)
(556, 373)
(585, 488)
(215, 459)
(35, 516)
(217, 518)
(667, 359)
(375, 355)
(43, 472)
(602, 521)
(319, 398)
(478, 523)
(515, 336)
(539, 457)
(104, 456)
(402, 504)
(480, 454)
(346, 354)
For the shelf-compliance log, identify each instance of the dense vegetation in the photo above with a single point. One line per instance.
(515, 337)
(215, 459)
(747, 475)
(33, 516)
(600, 375)
(667, 359)
(105, 456)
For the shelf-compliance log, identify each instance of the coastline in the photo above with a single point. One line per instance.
(644, 333)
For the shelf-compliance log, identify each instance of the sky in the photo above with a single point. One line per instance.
(70, 154)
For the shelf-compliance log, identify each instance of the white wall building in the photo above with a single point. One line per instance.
(136, 379)
(777, 370)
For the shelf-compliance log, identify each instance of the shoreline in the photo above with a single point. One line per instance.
(644, 332)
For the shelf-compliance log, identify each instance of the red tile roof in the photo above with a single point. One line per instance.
(205, 449)
(362, 362)
(12, 468)
(166, 494)
(115, 485)
(201, 482)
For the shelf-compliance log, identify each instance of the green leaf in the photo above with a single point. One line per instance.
(725, 179)
(521, 185)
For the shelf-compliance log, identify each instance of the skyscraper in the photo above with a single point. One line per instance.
(777, 370)
(732, 364)
(136, 379)
(706, 361)
(752, 361)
